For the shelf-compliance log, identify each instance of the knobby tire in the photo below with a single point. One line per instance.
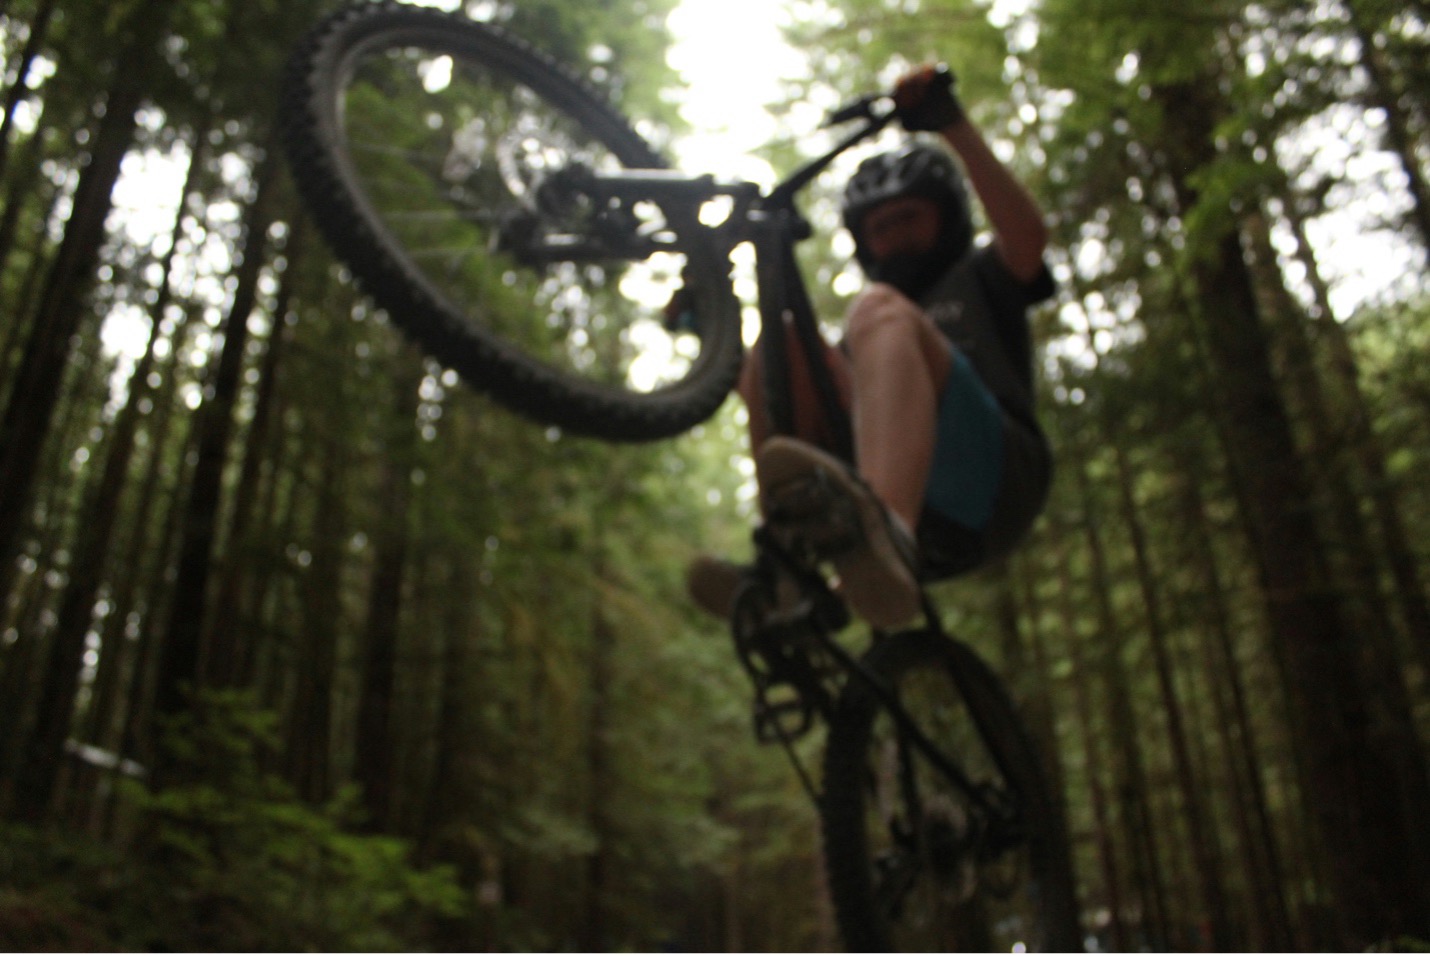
(1040, 910)
(465, 335)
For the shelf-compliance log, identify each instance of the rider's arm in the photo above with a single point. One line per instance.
(926, 101)
(1019, 232)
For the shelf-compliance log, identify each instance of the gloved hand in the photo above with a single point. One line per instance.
(924, 99)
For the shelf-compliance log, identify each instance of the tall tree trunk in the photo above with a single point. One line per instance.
(1355, 421)
(1255, 829)
(26, 418)
(44, 755)
(17, 318)
(142, 591)
(593, 929)
(375, 743)
(180, 656)
(224, 661)
(1148, 878)
(1352, 554)
(39, 27)
(1094, 760)
(1203, 846)
(26, 185)
(1035, 697)
(27, 692)
(1360, 771)
(1203, 842)
(450, 818)
(126, 641)
(259, 593)
(310, 722)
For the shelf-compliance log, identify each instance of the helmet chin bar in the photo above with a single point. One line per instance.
(915, 273)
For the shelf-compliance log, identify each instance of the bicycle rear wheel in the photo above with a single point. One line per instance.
(915, 861)
(423, 142)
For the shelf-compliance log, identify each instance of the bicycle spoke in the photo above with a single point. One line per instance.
(443, 179)
(431, 150)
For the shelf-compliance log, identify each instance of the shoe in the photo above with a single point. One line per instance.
(712, 583)
(838, 517)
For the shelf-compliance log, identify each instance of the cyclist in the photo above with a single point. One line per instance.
(935, 368)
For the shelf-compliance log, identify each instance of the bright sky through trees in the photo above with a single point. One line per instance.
(732, 56)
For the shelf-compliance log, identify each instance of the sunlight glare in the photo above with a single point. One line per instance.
(733, 58)
(436, 74)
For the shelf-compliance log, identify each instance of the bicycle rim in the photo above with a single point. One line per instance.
(416, 138)
(914, 862)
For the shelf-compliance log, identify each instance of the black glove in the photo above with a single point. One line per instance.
(924, 100)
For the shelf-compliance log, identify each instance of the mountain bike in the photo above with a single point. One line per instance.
(525, 234)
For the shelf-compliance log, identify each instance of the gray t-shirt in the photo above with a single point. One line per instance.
(983, 309)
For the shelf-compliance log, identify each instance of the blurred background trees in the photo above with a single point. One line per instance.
(358, 660)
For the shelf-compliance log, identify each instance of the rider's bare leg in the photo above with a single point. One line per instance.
(899, 364)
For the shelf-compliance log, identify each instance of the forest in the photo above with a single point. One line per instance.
(305, 644)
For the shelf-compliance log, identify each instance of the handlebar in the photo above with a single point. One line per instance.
(782, 196)
(868, 108)
(862, 108)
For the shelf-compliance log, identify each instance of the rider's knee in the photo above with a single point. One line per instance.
(880, 310)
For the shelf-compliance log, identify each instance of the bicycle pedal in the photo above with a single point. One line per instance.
(770, 648)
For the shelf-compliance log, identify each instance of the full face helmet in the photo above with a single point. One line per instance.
(913, 170)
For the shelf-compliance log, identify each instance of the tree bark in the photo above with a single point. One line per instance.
(1147, 877)
(44, 755)
(1361, 776)
(1205, 854)
(310, 724)
(593, 929)
(375, 742)
(1355, 422)
(26, 418)
(181, 653)
(1095, 761)
(39, 27)
(224, 661)
(1257, 835)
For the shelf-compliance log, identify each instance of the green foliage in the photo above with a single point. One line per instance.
(230, 860)
(570, 745)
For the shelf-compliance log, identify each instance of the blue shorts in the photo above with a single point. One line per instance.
(968, 450)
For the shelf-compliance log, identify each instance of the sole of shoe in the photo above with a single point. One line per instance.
(828, 508)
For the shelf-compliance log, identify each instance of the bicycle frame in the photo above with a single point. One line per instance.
(775, 649)
(775, 227)
(771, 223)
(782, 650)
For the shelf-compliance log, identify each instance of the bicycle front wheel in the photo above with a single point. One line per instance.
(423, 142)
(919, 859)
